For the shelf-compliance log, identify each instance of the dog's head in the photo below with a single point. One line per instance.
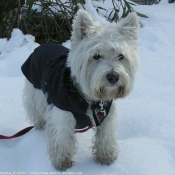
(103, 59)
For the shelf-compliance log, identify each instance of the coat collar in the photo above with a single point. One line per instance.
(100, 108)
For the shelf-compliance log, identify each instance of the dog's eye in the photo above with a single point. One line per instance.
(120, 57)
(96, 57)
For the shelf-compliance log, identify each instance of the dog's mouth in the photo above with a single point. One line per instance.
(110, 93)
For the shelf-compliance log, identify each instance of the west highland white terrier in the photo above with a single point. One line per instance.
(69, 91)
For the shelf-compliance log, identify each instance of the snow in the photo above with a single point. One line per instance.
(146, 124)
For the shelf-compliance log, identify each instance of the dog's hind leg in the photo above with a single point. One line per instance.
(60, 127)
(105, 147)
(35, 104)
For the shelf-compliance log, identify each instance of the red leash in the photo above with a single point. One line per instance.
(25, 130)
(18, 134)
(83, 130)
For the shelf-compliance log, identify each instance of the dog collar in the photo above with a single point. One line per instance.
(100, 108)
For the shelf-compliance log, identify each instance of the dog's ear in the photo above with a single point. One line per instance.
(81, 24)
(129, 26)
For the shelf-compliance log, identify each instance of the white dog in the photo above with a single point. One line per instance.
(68, 91)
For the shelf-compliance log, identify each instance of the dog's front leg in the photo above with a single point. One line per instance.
(105, 146)
(60, 126)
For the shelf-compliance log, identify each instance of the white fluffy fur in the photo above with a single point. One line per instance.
(89, 37)
(104, 144)
(59, 126)
(35, 104)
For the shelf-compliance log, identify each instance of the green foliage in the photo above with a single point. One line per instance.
(51, 23)
(120, 5)
(49, 20)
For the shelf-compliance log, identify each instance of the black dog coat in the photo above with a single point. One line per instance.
(46, 69)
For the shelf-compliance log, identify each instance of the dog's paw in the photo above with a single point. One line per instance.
(64, 165)
(104, 155)
(107, 160)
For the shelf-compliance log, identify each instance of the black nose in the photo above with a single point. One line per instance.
(112, 77)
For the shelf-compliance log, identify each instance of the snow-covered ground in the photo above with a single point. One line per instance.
(146, 124)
